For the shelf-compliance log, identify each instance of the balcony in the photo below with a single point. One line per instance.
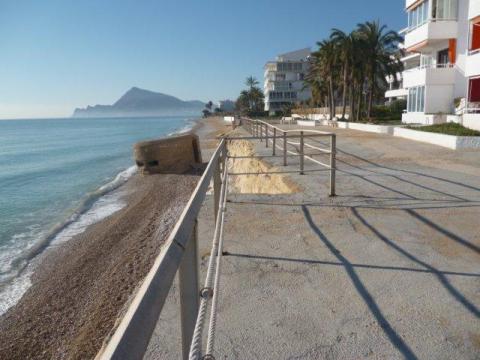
(395, 93)
(435, 74)
(473, 64)
(430, 32)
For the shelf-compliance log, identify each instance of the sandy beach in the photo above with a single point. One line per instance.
(81, 287)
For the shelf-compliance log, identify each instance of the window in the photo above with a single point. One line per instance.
(419, 15)
(444, 9)
(474, 90)
(416, 99)
(475, 35)
(426, 60)
(442, 57)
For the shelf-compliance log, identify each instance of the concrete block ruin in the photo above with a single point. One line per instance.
(172, 155)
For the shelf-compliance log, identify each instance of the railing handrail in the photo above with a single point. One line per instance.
(295, 130)
(131, 337)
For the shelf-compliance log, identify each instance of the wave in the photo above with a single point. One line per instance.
(189, 125)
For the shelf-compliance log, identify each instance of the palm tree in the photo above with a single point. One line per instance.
(326, 67)
(381, 56)
(251, 82)
(345, 44)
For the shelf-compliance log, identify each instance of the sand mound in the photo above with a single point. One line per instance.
(256, 182)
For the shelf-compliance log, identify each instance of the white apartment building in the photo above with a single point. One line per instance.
(284, 80)
(442, 69)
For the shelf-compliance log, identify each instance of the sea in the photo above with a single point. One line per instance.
(58, 176)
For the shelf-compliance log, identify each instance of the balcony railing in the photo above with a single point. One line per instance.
(431, 66)
(472, 108)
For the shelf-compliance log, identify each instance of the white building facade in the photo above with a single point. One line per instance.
(441, 80)
(284, 80)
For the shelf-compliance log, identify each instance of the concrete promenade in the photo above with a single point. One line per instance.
(388, 269)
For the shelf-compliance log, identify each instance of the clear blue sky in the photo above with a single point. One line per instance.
(56, 55)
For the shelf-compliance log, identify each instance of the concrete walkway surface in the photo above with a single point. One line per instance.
(388, 269)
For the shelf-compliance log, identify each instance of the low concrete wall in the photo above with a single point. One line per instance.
(448, 141)
(471, 121)
(306, 122)
(424, 119)
(379, 129)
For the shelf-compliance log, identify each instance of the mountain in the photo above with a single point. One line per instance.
(140, 102)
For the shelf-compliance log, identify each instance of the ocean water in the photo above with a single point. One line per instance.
(56, 178)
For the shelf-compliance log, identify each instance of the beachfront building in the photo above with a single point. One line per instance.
(442, 69)
(284, 78)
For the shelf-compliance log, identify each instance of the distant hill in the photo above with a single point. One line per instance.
(140, 102)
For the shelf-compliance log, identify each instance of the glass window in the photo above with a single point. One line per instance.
(416, 99)
(445, 9)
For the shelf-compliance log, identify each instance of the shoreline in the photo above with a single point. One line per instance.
(16, 284)
(81, 260)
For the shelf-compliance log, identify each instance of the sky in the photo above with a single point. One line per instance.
(56, 55)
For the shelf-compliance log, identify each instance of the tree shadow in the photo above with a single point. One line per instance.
(394, 338)
(441, 277)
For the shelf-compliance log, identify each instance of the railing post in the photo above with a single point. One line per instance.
(261, 132)
(333, 147)
(189, 295)
(274, 140)
(284, 148)
(301, 153)
(266, 135)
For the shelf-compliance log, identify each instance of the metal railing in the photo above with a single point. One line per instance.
(131, 337)
(431, 66)
(179, 254)
(282, 140)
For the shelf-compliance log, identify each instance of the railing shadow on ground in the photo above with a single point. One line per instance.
(387, 328)
(440, 276)
(354, 265)
(411, 172)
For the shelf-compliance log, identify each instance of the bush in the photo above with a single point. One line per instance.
(392, 111)
(447, 128)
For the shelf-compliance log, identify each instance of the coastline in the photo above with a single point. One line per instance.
(80, 286)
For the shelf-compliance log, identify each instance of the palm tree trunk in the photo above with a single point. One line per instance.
(352, 102)
(344, 97)
(359, 104)
(330, 96)
(370, 100)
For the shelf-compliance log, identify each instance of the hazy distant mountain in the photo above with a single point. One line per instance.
(140, 102)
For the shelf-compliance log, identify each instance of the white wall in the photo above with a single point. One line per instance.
(473, 65)
(472, 121)
(474, 9)
(439, 98)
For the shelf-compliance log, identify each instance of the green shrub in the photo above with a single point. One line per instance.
(392, 111)
(448, 129)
